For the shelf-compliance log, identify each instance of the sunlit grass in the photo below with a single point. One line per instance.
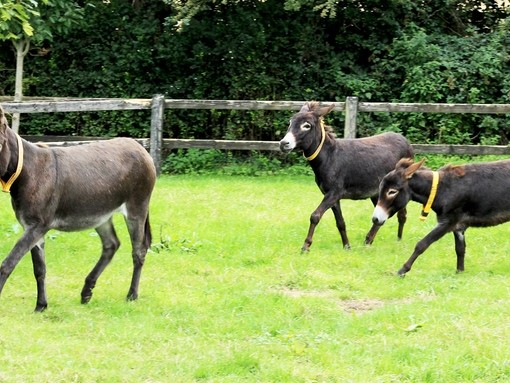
(227, 296)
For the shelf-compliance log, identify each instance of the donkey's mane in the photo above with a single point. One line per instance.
(457, 170)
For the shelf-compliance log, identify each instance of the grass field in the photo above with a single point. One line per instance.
(226, 296)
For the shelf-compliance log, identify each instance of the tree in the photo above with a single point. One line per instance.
(29, 21)
(187, 10)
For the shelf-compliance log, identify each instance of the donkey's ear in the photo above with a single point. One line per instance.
(3, 120)
(305, 108)
(411, 169)
(326, 110)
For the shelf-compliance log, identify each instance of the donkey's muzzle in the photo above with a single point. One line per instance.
(379, 216)
(286, 146)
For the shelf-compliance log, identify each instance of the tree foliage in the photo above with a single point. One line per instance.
(393, 50)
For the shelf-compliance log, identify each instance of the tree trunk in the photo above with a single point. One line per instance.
(21, 47)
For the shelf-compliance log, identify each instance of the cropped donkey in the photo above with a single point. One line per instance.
(72, 189)
(344, 168)
(472, 195)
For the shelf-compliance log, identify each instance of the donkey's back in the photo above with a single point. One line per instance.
(476, 194)
(96, 179)
(361, 163)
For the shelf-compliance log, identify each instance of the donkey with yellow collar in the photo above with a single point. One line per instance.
(344, 168)
(453, 193)
(76, 188)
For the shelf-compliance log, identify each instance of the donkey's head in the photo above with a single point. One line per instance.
(394, 191)
(305, 131)
(5, 152)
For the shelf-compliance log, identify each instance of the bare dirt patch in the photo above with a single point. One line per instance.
(356, 306)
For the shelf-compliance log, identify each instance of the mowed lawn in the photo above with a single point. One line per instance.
(227, 296)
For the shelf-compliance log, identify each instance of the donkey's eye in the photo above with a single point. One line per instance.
(306, 126)
(391, 193)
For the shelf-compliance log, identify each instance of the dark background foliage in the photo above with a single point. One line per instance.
(392, 50)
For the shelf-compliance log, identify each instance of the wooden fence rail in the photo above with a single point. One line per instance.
(156, 143)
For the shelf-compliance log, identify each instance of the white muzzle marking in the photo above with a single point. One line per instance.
(380, 215)
(288, 142)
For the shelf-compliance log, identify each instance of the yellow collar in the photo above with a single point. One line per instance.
(323, 138)
(6, 186)
(433, 190)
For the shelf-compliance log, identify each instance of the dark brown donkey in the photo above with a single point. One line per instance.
(469, 195)
(344, 168)
(72, 189)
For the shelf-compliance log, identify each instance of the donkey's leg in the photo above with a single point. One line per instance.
(340, 224)
(460, 249)
(438, 232)
(139, 232)
(40, 275)
(327, 202)
(369, 238)
(27, 241)
(110, 243)
(402, 218)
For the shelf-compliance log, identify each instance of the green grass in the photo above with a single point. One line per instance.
(226, 296)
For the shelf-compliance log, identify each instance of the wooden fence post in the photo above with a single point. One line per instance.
(351, 114)
(156, 139)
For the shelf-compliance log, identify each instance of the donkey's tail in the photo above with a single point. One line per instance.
(147, 235)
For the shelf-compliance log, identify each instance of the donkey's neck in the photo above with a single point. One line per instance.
(322, 157)
(421, 185)
(9, 155)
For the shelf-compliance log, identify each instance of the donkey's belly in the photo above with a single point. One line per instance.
(84, 221)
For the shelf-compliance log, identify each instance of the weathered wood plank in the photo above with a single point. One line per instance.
(351, 117)
(242, 104)
(88, 105)
(462, 149)
(169, 143)
(274, 146)
(76, 106)
(434, 108)
(157, 119)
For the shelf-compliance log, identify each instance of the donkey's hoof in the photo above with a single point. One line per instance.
(402, 273)
(131, 298)
(85, 299)
(40, 308)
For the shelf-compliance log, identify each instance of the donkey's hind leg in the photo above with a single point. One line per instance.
(39, 264)
(140, 234)
(340, 224)
(110, 243)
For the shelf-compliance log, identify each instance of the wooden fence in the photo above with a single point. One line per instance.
(157, 105)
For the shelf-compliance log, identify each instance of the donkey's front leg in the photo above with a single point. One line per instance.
(40, 275)
(369, 238)
(327, 202)
(27, 241)
(422, 245)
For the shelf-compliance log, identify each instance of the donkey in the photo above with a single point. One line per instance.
(76, 188)
(344, 168)
(473, 195)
